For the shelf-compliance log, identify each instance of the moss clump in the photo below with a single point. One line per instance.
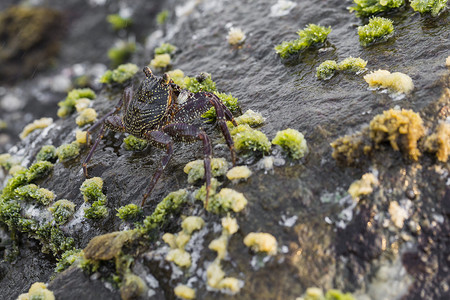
(160, 61)
(129, 212)
(132, 286)
(120, 75)
(98, 210)
(292, 141)
(167, 206)
(352, 64)
(429, 6)
(121, 52)
(248, 139)
(91, 189)
(67, 106)
(117, 22)
(33, 192)
(67, 152)
(326, 70)
(47, 153)
(67, 259)
(162, 16)
(86, 116)
(53, 239)
(37, 291)
(439, 142)
(351, 149)
(62, 211)
(396, 82)
(311, 35)
(37, 124)
(261, 242)
(6, 161)
(196, 170)
(108, 246)
(132, 143)
(38, 170)
(402, 129)
(251, 118)
(165, 48)
(378, 30)
(314, 293)
(366, 8)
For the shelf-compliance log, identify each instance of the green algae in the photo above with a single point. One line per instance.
(38, 170)
(121, 52)
(132, 143)
(160, 61)
(196, 170)
(162, 16)
(129, 212)
(429, 6)
(352, 64)
(378, 30)
(366, 8)
(292, 141)
(33, 192)
(67, 259)
(165, 48)
(326, 70)
(120, 74)
(91, 189)
(67, 152)
(118, 22)
(62, 210)
(248, 139)
(67, 106)
(251, 118)
(98, 210)
(312, 35)
(47, 153)
(53, 239)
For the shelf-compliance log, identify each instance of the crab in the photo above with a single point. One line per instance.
(155, 113)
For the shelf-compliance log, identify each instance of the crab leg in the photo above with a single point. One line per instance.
(91, 152)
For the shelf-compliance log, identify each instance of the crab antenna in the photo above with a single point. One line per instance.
(147, 71)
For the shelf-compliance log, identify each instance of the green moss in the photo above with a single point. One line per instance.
(120, 75)
(326, 70)
(338, 295)
(378, 30)
(196, 170)
(429, 6)
(117, 22)
(162, 16)
(67, 152)
(129, 212)
(97, 210)
(167, 206)
(160, 61)
(248, 139)
(10, 213)
(33, 192)
(203, 82)
(132, 143)
(62, 211)
(165, 48)
(38, 170)
(67, 259)
(6, 161)
(311, 35)
(292, 141)
(121, 52)
(47, 153)
(67, 106)
(352, 64)
(53, 239)
(366, 8)
(91, 189)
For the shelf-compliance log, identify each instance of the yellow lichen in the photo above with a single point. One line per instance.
(81, 137)
(38, 290)
(239, 172)
(401, 128)
(192, 223)
(396, 81)
(132, 287)
(439, 142)
(250, 118)
(37, 124)
(230, 225)
(214, 274)
(261, 242)
(364, 186)
(184, 292)
(160, 61)
(447, 62)
(231, 199)
(16, 168)
(220, 246)
(180, 257)
(82, 104)
(87, 115)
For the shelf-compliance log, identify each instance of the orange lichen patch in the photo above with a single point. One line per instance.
(401, 128)
(439, 142)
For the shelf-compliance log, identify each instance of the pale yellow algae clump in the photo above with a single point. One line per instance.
(86, 116)
(292, 141)
(38, 290)
(238, 173)
(196, 169)
(251, 118)
(82, 104)
(398, 82)
(261, 242)
(178, 241)
(37, 124)
(160, 61)
(439, 142)
(184, 292)
(214, 273)
(232, 199)
(364, 186)
(81, 137)
(447, 62)
(235, 36)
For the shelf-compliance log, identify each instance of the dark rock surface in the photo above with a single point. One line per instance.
(324, 238)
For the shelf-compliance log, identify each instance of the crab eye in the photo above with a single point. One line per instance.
(166, 78)
(147, 71)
